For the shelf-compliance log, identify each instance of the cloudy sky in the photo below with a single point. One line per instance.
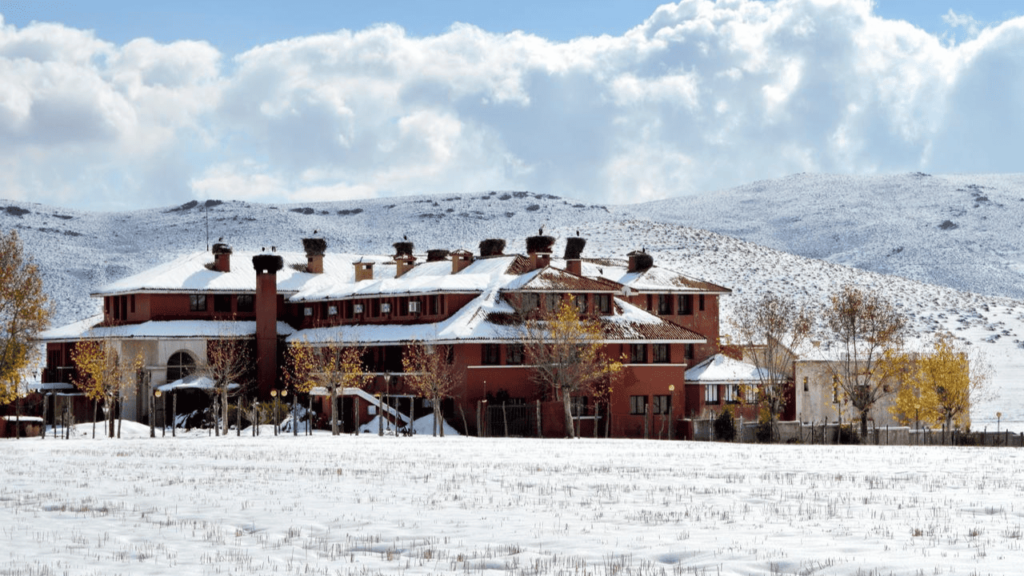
(113, 104)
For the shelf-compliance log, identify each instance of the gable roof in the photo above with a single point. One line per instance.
(720, 369)
(548, 279)
(653, 279)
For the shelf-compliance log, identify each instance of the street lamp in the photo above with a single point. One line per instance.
(273, 394)
(671, 404)
(163, 413)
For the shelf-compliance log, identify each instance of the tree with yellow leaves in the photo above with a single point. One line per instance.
(24, 312)
(866, 328)
(333, 365)
(228, 364)
(432, 373)
(567, 350)
(105, 374)
(943, 385)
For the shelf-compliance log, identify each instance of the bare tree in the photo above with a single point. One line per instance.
(869, 332)
(334, 365)
(431, 372)
(567, 350)
(771, 328)
(229, 365)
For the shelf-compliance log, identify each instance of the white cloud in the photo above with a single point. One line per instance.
(703, 95)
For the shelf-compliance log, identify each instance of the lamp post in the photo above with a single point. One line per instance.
(273, 394)
(671, 406)
(917, 420)
(380, 414)
(999, 417)
(163, 414)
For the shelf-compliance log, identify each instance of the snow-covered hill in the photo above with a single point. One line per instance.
(965, 232)
(79, 251)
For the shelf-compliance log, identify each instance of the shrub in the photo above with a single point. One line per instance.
(848, 434)
(763, 433)
(725, 427)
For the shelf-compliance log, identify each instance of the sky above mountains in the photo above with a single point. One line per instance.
(111, 105)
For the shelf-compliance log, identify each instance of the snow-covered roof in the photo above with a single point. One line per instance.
(194, 273)
(193, 382)
(654, 279)
(91, 329)
(548, 279)
(720, 369)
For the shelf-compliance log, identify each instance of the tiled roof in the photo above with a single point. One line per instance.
(550, 279)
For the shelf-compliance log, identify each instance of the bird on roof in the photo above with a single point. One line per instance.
(577, 233)
(315, 232)
(221, 239)
(404, 237)
(263, 249)
(541, 231)
(273, 248)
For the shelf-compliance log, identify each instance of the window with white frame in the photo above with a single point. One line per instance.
(332, 310)
(414, 306)
(385, 308)
(307, 311)
(711, 394)
(357, 308)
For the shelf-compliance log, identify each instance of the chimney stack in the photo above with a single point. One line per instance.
(640, 261)
(222, 257)
(539, 249)
(492, 247)
(461, 259)
(404, 260)
(573, 250)
(364, 271)
(267, 267)
(315, 248)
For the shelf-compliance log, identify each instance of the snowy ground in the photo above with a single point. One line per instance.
(421, 505)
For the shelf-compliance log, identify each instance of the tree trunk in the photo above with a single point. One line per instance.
(465, 425)
(504, 417)
(334, 411)
(238, 417)
(439, 418)
(359, 421)
(95, 408)
(863, 423)
(17, 418)
(225, 426)
(295, 423)
(174, 414)
(111, 409)
(569, 428)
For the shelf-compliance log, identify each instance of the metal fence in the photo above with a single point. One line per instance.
(512, 420)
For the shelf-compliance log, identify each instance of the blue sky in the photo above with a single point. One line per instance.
(109, 104)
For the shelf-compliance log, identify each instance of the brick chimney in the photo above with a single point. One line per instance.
(222, 257)
(404, 260)
(315, 248)
(539, 250)
(461, 259)
(364, 271)
(640, 261)
(267, 266)
(573, 250)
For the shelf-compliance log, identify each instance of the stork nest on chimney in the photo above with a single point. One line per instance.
(403, 248)
(574, 248)
(539, 244)
(437, 255)
(314, 246)
(492, 247)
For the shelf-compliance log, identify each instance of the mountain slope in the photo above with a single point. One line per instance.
(965, 232)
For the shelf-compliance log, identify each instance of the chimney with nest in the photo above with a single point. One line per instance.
(267, 267)
(460, 260)
(539, 250)
(404, 260)
(364, 271)
(437, 255)
(222, 257)
(640, 261)
(573, 251)
(492, 247)
(315, 248)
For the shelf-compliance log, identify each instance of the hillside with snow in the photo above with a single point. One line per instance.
(79, 251)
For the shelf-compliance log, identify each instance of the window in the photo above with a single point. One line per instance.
(638, 405)
(700, 304)
(711, 394)
(492, 354)
(197, 302)
(551, 301)
(332, 310)
(662, 404)
(603, 303)
(385, 308)
(664, 304)
(689, 351)
(246, 303)
(307, 311)
(661, 353)
(435, 304)
(732, 393)
(222, 303)
(414, 307)
(179, 366)
(751, 394)
(514, 354)
(806, 389)
(133, 303)
(581, 303)
(357, 308)
(578, 405)
(686, 304)
(638, 353)
(531, 301)
(650, 303)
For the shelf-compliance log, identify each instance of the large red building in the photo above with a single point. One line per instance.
(659, 320)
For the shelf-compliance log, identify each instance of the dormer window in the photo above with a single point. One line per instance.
(603, 303)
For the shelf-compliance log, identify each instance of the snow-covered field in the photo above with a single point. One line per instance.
(368, 505)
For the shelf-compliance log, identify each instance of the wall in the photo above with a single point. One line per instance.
(815, 403)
